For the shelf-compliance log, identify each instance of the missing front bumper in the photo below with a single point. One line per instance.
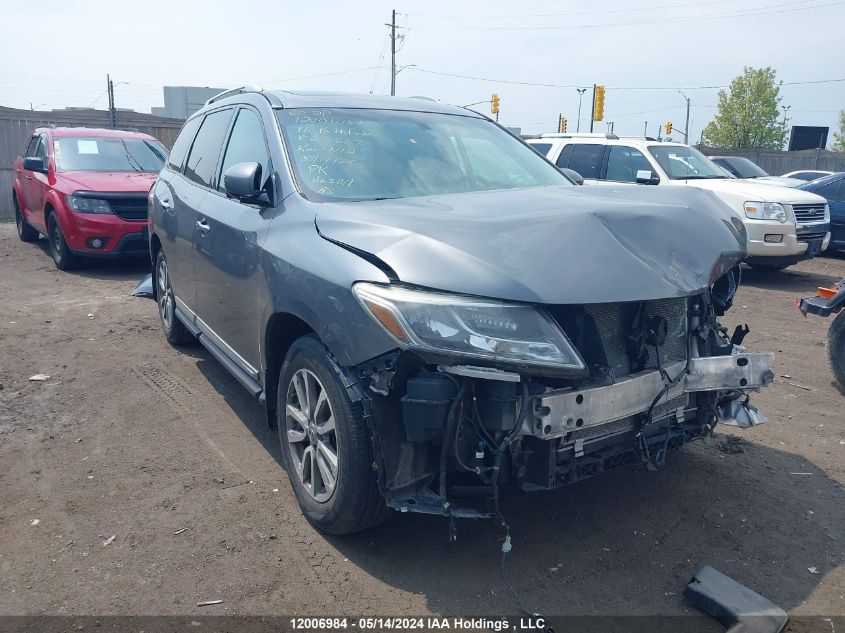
(559, 412)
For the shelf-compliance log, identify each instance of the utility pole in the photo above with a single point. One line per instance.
(686, 126)
(581, 92)
(112, 113)
(393, 53)
(645, 129)
(593, 109)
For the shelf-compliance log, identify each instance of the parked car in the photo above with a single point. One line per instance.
(742, 167)
(832, 189)
(423, 303)
(86, 190)
(807, 175)
(783, 225)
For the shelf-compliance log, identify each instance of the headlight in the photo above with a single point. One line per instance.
(765, 211)
(484, 329)
(88, 205)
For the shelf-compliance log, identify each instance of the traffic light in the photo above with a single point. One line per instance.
(494, 104)
(598, 104)
(561, 127)
(668, 128)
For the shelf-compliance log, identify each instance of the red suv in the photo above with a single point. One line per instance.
(86, 190)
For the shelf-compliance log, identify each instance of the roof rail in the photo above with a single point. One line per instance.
(424, 98)
(579, 135)
(234, 91)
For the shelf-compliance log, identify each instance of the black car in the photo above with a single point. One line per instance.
(741, 167)
(427, 307)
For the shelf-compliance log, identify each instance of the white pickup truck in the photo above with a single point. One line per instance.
(784, 225)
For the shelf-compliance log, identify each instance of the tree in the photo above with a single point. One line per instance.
(748, 115)
(839, 137)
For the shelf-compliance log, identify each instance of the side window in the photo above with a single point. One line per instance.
(246, 145)
(624, 163)
(586, 159)
(565, 155)
(30, 148)
(202, 161)
(41, 149)
(183, 143)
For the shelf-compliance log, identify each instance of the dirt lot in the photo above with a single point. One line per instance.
(156, 484)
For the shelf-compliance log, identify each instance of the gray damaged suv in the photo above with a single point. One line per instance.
(431, 311)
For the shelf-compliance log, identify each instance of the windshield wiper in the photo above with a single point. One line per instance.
(698, 177)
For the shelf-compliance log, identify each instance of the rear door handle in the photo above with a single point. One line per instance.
(165, 204)
(203, 226)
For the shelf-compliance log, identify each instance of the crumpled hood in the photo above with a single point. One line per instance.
(757, 190)
(107, 181)
(552, 245)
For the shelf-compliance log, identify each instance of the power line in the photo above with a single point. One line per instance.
(765, 10)
(570, 13)
(551, 85)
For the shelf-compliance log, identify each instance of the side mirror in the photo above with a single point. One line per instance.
(647, 177)
(243, 182)
(33, 163)
(573, 175)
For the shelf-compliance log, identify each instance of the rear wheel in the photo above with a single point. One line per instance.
(174, 330)
(326, 444)
(836, 349)
(25, 231)
(64, 259)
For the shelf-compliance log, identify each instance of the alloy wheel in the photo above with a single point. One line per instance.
(312, 439)
(165, 295)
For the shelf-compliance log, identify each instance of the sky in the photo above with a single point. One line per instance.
(59, 53)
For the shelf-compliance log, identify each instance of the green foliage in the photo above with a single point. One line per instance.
(748, 114)
(839, 137)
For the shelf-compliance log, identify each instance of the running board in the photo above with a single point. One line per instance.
(251, 385)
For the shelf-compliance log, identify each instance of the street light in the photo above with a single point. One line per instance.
(581, 92)
(31, 107)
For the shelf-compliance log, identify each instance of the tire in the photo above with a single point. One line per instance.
(62, 256)
(311, 433)
(174, 330)
(836, 349)
(769, 268)
(25, 231)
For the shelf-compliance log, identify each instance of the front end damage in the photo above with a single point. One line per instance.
(448, 434)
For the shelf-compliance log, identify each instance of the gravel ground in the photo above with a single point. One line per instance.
(140, 479)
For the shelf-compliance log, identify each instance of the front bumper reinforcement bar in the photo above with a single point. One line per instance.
(557, 412)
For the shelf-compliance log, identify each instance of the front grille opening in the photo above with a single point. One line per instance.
(808, 212)
(601, 333)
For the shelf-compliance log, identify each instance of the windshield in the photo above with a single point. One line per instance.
(685, 163)
(109, 154)
(742, 167)
(365, 154)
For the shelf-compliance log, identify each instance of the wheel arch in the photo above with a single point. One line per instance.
(282, 329)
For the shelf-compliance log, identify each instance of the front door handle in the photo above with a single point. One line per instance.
(203, 226)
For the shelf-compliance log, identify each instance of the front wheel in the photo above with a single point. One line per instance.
(59, 250)
(326, 444)
(836, 349)
(174, 330)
